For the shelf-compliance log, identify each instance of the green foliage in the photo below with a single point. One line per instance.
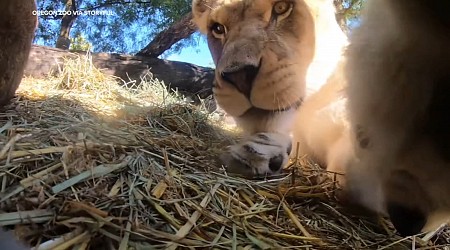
(79, 43)
(348, 11)
(123, 26)
(353, 10)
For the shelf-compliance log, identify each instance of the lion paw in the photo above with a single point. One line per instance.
(260, 154)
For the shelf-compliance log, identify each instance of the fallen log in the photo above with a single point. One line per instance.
(188, 79)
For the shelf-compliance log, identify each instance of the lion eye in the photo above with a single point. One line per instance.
(282, 7)
(218, 29)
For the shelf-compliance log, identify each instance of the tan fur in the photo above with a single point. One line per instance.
(322, 129)
(287, 50)
(17, 27)
(299, 55)
(398, 68)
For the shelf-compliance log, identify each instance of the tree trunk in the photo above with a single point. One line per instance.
(182, 29)
(67, 21)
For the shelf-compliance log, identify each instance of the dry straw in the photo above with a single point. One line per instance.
(88, 164)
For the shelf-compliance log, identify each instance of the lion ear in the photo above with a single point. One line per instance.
(201, 10)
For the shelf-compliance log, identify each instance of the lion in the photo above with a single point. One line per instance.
(18, 22)
(398, 88)
(285, 73)
(279, 74)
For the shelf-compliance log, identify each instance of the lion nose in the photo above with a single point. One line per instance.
(242, 78)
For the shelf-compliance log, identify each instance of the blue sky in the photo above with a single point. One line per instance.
(198, 55)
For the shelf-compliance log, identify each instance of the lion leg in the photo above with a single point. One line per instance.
(17, 27)
(338, 158)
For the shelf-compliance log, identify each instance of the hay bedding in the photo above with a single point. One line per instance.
(99, 168)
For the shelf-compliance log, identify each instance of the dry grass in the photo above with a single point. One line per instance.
(86, 164)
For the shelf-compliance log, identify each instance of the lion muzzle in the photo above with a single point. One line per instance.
(241, 58)
(242, 78)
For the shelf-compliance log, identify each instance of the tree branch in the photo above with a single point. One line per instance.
(182, 29)
(110, 3)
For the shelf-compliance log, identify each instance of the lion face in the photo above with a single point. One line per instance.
(262, 50)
